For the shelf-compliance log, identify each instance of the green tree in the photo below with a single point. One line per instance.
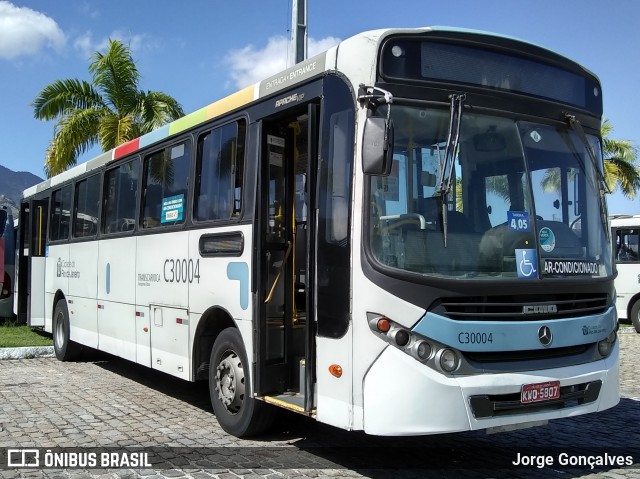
(109, 111)
(620, 163)
(620, 170)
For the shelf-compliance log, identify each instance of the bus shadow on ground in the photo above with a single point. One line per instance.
(570, 447)
(563, 445)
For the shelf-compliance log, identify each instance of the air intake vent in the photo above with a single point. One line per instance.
(521, 308)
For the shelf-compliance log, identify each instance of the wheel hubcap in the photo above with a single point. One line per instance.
(59, 333)
(230, 382)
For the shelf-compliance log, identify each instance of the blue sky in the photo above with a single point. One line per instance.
(201, 50)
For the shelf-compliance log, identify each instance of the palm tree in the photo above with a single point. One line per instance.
(620, 170)
(620, 163)
(109, 111)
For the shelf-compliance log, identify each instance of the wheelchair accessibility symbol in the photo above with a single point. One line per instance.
(527, 263)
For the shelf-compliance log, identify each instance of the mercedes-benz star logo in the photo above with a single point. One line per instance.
(545, 336)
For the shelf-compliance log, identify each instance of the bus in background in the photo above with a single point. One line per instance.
(405, 234)
(7, 262)
(626, 238)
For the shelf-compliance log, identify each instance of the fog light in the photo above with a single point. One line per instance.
(421, 350)
(604, 347)
(401, 337)
(448, 360)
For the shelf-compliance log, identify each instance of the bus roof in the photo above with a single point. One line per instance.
(625, 220)
(315, 66)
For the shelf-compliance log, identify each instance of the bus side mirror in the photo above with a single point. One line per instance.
(377, 146)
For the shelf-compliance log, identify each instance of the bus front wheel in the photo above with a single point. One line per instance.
(635, 315)
(230, 388)
(65, 349)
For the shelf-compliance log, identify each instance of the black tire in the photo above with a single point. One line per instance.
(635, 315)
(236, 410)
(65, 349)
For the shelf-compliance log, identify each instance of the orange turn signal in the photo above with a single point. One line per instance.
(383, 325)
(335, 370)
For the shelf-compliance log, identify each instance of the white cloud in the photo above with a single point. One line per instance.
(86, 44)
(25, 32)
(249, 65)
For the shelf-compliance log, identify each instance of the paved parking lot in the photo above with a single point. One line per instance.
(112, 404)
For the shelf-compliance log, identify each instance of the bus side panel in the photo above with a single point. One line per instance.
(117, 297)
(52, 271)
(163, 273)
(116, 326)
(83, 293)
(627, 286)
(335, 395)
(224, 281)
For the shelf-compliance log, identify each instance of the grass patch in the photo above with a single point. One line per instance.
(14, 336)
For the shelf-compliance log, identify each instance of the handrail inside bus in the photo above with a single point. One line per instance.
(281, 269)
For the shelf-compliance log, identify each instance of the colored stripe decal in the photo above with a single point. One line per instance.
(188, 121)
(127, 148)
(213, 110)
(239, 271)
(231, 102)
(155, 135)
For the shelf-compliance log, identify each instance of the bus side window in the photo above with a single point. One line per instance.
(60, 214)
(85, 215)
(120, 191)
(166, 175)
(627, 245)
(219, 172)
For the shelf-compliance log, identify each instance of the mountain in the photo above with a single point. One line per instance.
(12, 184)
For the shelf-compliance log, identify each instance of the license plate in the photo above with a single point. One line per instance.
(540, 392)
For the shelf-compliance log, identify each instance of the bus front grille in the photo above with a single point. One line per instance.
(521, 307)
(527, 355)
(485, 406)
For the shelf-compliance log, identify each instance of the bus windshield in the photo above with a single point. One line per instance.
(523, 200)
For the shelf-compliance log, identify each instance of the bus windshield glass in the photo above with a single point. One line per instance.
(523, 200)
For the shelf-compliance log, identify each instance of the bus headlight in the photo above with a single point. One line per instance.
(436, 356)
(449, 360)
(400, 336)
(421, 350)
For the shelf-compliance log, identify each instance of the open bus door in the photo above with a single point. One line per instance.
(31, 261)
(286, 324)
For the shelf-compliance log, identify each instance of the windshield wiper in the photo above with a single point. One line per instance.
(576, 126)
(453, 139)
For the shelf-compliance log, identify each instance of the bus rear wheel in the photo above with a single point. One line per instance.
(65, 349)
(236, 410)
(635, 315)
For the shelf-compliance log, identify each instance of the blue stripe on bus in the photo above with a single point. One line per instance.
(515, 335)
(108, 279)
(152, 137)
(239, 271)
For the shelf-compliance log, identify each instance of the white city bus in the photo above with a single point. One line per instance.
(406, 234)
(626, 241)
